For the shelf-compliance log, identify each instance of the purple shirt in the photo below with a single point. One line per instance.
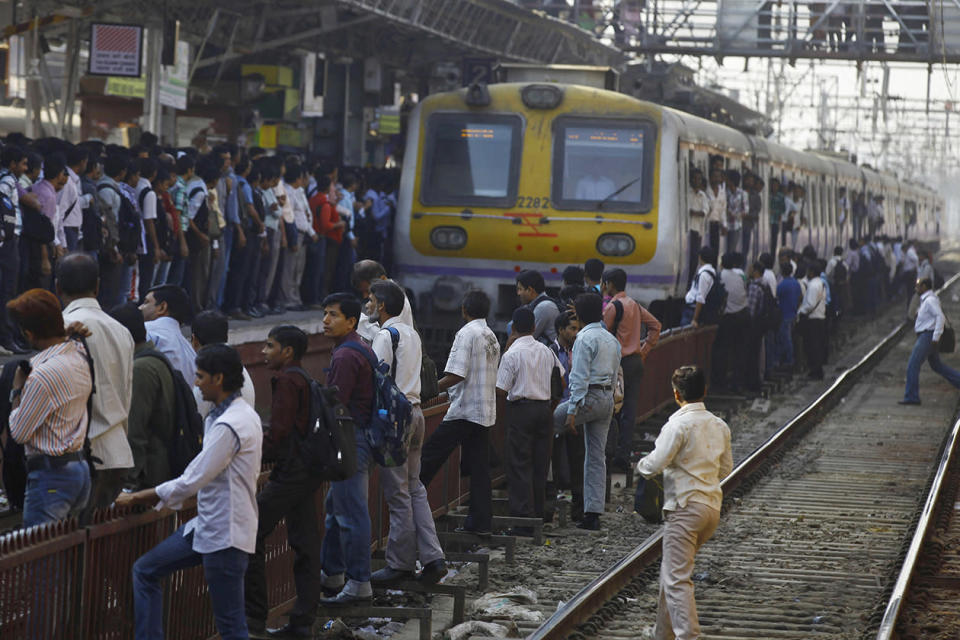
(350, 372)
(47, 195)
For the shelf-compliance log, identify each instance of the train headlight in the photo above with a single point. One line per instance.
(541, 96)
(616, 244)
(448, 238)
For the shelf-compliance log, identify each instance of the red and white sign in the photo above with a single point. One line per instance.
(115, 49)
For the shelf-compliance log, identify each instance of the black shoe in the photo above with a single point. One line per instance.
(276, 311)
(14, 347)
(591, 522)
(475, 532)
(253, 312)
(291, 631)
(389, 576)
(908, 402)
(257, 628)
(525, 532)
(433, 572)
(343, 599)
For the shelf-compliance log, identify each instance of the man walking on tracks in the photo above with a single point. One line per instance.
(929, 329)
(693, 452)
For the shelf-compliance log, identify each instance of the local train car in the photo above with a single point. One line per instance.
(517, 176)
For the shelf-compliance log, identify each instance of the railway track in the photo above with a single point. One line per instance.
(816, 521)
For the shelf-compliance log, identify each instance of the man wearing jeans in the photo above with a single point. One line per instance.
(929, 329)
(693, 452)
(593, 372)
(223, 476)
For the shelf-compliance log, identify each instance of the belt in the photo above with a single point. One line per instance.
(524, 400)
(602, 387)
(45, 462)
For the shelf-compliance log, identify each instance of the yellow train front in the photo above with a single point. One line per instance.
(527, 176)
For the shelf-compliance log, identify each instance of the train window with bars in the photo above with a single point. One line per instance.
(471, 159)
(603, 165)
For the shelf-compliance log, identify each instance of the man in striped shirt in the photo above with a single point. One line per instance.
(49, 411)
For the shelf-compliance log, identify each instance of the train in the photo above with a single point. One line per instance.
(540, 175)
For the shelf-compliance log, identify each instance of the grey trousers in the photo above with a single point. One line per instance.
(529, 442)
(268, 268)
(411, 520)
(684, 532)
(594, 415)
(293, 264)
(218, 267)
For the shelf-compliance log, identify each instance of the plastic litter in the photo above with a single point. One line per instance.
(478, 628)
(508, 604)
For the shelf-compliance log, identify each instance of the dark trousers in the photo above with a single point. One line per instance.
(713, 235)
(198, 275)
(694, 257)
(110, 281)
(747, 235)
(474, 456)
(72, 234)
(814, 336)
(145, 274)
(529, 438)
(330, 265)
(295, 501)
(9, 270)
(751, 346)
(627, 420)
(728, 351)
(105, 486)
(243, 266)
(311, 288)
(774, 233)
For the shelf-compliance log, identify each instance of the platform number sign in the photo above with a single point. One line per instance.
(478, 70)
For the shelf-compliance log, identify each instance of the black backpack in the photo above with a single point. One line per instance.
(329, 450)
(92, 227)
(546, 298)
(201, 220)
(716, 301)
(161, 224)
(187, 438)
(770, 317)
(840, 272)
(128, 222)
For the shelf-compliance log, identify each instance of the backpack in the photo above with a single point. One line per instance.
(201, 220)
(716, 301)
(92, 228)
(840, 272)
(770, 316)
(617, 317)
(8, 214)
(329, 450)
(546, 298)
(128, 222)
(391, 414)
(187, 438)
(877, 262)
(161, 224)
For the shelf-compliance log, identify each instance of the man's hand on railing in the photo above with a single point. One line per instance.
(147, 497)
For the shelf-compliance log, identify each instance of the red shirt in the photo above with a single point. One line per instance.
(289, 410)
(351, 374)
(325, 215)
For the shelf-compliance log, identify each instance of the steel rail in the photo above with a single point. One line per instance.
(564, 622)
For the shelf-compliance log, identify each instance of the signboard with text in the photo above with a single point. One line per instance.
(115, 50)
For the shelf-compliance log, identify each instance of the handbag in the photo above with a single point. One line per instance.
(648, 499)
(948, 341)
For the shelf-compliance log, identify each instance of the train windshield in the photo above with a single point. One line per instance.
(603, 166)
(471, 159)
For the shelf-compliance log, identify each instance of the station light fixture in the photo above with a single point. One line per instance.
(448, 238)
(616, 244)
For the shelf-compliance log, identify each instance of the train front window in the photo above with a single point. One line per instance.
(471, 159)
(603, 165)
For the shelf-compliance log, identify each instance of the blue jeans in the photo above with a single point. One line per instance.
(594, 414)
(311, 288)
(785, 342)
(346, 543)
(770, 350)
(54, 494)
(923, 350)
(223, 571)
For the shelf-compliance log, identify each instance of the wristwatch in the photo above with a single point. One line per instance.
(14, 394)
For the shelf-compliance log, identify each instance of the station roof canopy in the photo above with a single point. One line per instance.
(409, 33)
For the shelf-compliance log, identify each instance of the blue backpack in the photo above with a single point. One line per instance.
(391, 414)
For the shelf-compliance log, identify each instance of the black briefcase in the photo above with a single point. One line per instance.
(948, 341)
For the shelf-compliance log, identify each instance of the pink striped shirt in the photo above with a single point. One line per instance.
(52, 416)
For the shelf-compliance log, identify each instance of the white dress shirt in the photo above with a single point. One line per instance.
(717, 211)
(71, 195)
(526, 369)
(167, 337)
(693, 452)
(368, 327)
(223, 476)
(111, 347)
(736, 290)
(701, 285)
(911, 262)
(770, 279)
(247, 393)
(814, 304)
(930, 316)
(474, 356)
(286, 209)
(406, 373)
(148, 211)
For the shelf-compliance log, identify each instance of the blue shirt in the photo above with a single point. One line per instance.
(167, 337)
(596, 357)
(564, 357)
(789, 295)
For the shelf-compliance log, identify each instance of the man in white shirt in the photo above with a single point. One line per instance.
(165, 309)
(71, 199)
(736, 209)
(911, 266)
(223, 476)
(728, 347)
(299, 232)
(523, 401)
(695, 313)
(111, 347)
(471, 376)
(929, 328)
(150, 253)
(717, 210)
(365, 273)
(212, 327)
(813, 319)
(411, 520)
(693, 452)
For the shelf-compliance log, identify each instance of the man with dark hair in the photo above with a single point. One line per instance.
(49, 411)
(71, 200)
(223, 476)
(111, 348)
(471, 377)
(212, 327)
(693, 453)
(531, 289)
(165, 309)
(37, 257)
(789, 295)
(365, 273)
(14, 163)
(572, 275)
(696, 298)
(109, 199)
(151, 252)
(411, 521)
(346, 544)
(152, 420)
(523, 400)
(929, 329)
(813, 312)
(290, 493)
(593, 274)
(593, 373)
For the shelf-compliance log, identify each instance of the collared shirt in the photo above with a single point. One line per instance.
(166, 335)
(630, 331)
(789, 295)
(289, 410)
(911, 262)
(526, 370)
(565, 357)
(286, 209)
(406, 370)
(736, 208)
(925, 271)
(8, 187)
(223, 476)
(474, 356)
(777, 207)
(693, 452)
(701, 285)
(350, 372)
(71, 196)
(930, 316)
(299, 209)
(755, 297)
(736, 291)
(698, 201)
(368, 327)
(46, 193)
(227, 196)
(770, 280)
(247, 392)
(52, 416)
(717, 211)
(178, 193)
(596, 358)
(852, 258)
(194, 203)
(545, 314)
(148, 211)
(272, 219)
(111, 348)
(814, 304)
(108, 193)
